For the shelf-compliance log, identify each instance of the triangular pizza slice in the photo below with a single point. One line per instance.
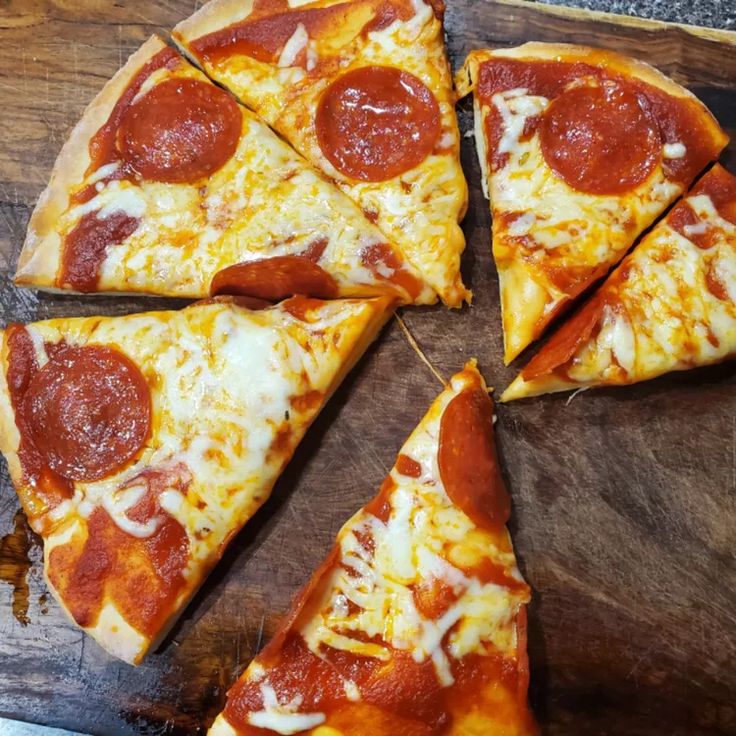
(669, 306)
(362, 89)
(167, 185)
(140, 445)
(415, 624)
(581, 150)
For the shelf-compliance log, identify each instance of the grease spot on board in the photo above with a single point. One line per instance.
(15, 562)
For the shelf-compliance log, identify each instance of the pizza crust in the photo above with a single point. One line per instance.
(212, 17)
(521, 389)
(418, 210)
(219, 14)
(9, 434)
(40, 257)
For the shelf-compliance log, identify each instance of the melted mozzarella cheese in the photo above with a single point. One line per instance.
(115, 196)
(283, 718)
(516, 106)
(674, 150)
(39, 348)
(294, 46)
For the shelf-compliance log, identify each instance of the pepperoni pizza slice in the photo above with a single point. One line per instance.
(167, 185)
(140, 445)
(581, 150)
(415, 624)
(669, 306)
(362, 89)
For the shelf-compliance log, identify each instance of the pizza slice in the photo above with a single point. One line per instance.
(415, 624)
(581, 150)
(669, 306)
(140, 445)
(363, 90)
(167, 185)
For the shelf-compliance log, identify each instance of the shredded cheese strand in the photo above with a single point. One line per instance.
(415, 347)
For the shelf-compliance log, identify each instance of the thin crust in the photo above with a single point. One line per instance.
(39, 260)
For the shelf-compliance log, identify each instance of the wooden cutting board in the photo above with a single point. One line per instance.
(624, 500)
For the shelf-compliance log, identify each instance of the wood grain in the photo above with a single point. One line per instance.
(624, 501)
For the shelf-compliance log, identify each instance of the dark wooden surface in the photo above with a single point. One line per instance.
(624, 501)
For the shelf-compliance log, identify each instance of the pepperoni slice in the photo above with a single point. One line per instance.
(467, 459)
(377, 122)
(180, 131)
(275, 278)
(88, 411)
(102, 143)
(600, 139)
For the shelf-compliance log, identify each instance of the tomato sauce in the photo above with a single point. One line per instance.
(433, 598)
(263, 35)
(682, 219)
(86, 246)
(301, 307)
(715, 284)
(720, 186)
(270, 25)
(381, 260)
(380, 505)
(142, 577)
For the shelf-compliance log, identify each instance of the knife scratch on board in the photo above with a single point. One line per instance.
(259, 636)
